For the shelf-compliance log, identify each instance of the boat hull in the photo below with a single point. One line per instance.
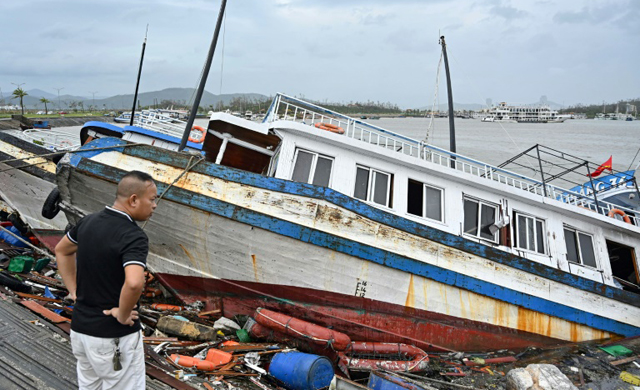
(319, 255)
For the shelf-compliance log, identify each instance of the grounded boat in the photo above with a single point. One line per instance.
(345, 224)
(522, 114)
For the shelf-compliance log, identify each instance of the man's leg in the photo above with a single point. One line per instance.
(87, 377)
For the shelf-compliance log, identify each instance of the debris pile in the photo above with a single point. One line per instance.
(188, 346)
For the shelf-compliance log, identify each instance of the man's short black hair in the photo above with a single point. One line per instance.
(133, 182)
(141, 176)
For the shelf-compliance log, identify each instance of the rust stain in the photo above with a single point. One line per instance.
(255, 267)
(424, 292)
(500, 313)
(532, 321)
(411, 299)
(191, 258)
(574, 331)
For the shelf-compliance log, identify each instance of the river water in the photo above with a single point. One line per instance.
(496, 142)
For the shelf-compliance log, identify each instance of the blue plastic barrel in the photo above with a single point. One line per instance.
(301, 371)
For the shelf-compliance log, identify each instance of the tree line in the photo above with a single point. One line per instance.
(592, 109)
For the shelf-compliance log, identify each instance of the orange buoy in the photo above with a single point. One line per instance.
(419, 360)
(151, 292)
(302, 329)
(167, 307)
(218, 357)
(191, 362)
(200, 139)
(329, 127)
(621, 213)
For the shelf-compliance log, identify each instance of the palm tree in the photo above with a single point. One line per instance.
(19, 93)
(45, 101)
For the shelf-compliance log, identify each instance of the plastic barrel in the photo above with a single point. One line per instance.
(301, 371)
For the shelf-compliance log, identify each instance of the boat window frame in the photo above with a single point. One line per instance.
(516, 232)
(371, 185)
(424, 200)
(481, 202)
(312, 168)
(577, 232)
(273, 162)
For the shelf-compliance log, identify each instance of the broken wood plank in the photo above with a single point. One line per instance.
(623, 361)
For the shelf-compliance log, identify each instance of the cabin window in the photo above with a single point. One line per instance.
(530, 233)
(424, 200)
(579, 247)
(373, 186)
(478, 217)
(312, 168)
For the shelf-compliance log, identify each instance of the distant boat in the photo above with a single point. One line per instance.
(522, 114)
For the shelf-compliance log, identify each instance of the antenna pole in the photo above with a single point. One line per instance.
(452, 128)
(135, 95)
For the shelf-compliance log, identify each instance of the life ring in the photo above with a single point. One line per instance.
(301, 329)
(188, 361)
(200, 139)
(621, 213)
(413, 358)
(51, 206)
(166, 307)
(329, 127)
(151, 292)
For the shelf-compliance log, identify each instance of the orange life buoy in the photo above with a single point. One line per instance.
(188, 361)
(301, 329)
(151, 292)
(419, 360)
(201, 138)
(621, 213)
(166, 306)
(329, 127)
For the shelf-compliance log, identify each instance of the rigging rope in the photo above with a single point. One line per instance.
(186, 169)
(435, 99)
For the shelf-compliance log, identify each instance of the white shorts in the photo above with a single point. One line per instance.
(95, 362)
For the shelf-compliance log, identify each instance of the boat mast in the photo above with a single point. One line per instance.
(452, 128)
(203, 80)
(135, 95)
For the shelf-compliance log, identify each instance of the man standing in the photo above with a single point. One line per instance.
(102, 261)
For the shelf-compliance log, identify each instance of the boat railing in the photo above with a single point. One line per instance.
(55, 140)
(160, 123)
(293, 109)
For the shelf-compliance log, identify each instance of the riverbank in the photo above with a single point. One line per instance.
(62, 121)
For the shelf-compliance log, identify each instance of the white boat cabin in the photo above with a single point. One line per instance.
(453, 193)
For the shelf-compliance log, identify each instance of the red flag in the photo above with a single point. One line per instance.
(606, 165)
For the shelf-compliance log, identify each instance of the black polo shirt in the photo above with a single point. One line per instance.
(107, 241)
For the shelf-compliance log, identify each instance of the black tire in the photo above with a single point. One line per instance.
(51, 206)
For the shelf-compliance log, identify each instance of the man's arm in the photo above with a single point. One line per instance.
(66, 259)
(129, 295)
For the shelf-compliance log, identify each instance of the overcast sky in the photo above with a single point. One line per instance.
(340, 50)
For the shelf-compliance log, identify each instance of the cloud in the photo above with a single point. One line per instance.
(508, 13)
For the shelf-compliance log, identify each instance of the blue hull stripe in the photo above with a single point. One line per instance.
(404, 224)
(373, 254)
